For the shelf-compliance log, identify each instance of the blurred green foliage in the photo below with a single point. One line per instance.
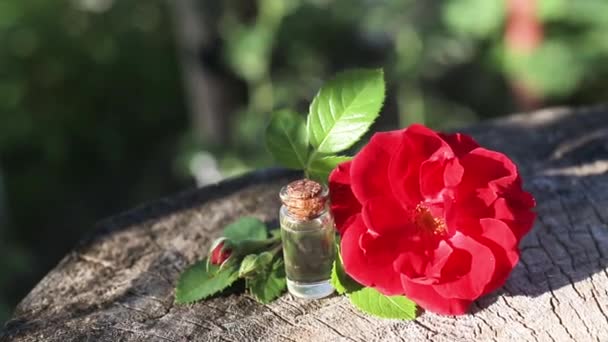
(93, 118)
(90, 102)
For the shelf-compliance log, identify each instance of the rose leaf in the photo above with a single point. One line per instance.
(344, 109)
(287, 140)
(371, 301)
(202, 280)
(269, 285)
(246, 228)
(320, 168)
(253, 264)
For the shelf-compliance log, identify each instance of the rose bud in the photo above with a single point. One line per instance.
(431, 216)
(219, 254)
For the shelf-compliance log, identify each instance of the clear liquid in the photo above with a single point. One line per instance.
(316, 290)
(308, 250)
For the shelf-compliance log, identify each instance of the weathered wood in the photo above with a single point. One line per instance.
(118, 284)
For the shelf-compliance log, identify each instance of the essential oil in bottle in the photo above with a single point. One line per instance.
(307, 230)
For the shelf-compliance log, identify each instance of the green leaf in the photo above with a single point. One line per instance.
(246, 228)
(553, 9)
(269, 285)
(341, 281)
(489, 17)
(344, 109)
(253, 264)
(275, 233)
(373, 302)
(202, 280)
(287, 140)
(554, 68)
(320, 168)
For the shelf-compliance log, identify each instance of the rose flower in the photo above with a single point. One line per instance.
(219, 254)
(431, 216)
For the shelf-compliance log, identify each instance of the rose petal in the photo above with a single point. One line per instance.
(498, 231)
(431, 300)
(403, 171)
(519, 198)
(344, 204)
(438, 177)
(463, 215)
(414, 266)
(489, 165)
(431, 179)
(428, 142)
(487, 172)
(460, 143)
(519, 220)
(419, 145)
(500, 239)
(423, 267)
(374, 267)
(480, 266)
(453, 172)
(502, 210)
(219, 254)
(369, 171)
(383, 215)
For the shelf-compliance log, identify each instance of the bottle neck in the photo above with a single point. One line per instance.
(304, 199)
(289, 213)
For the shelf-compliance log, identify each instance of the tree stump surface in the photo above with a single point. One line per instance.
(118, 285)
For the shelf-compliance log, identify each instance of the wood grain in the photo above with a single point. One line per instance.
(117, 285)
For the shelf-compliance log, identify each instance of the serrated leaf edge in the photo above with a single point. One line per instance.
(302, 159)
(178, 291)
(313, 103)
(399, 307)
(311, 168)
(335, 280)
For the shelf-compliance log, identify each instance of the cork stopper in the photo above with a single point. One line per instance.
(304, 198)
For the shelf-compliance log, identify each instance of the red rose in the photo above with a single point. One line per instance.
(431, 216)
(219, 254)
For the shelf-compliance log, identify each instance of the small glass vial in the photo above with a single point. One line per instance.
(307, 231)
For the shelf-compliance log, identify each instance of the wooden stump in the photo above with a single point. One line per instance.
(118, 284)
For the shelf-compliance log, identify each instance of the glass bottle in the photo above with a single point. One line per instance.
(307, 231)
